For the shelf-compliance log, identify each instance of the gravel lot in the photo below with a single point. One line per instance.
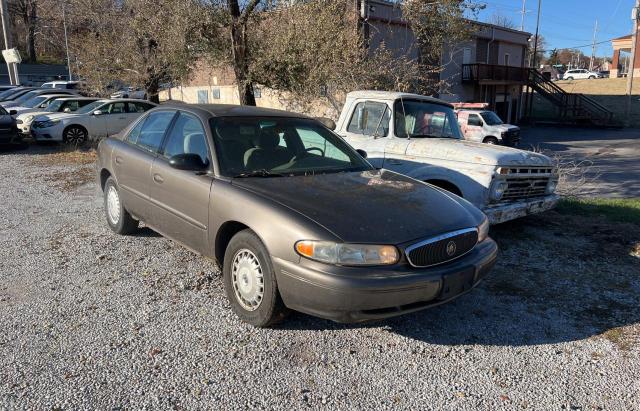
(91, 320)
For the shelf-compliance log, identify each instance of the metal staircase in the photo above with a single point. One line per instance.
(572, 108)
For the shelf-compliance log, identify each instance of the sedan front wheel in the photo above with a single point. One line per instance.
(75, 135)
(250, 281)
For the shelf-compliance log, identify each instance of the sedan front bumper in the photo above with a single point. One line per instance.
(504, 212)
(356, 294)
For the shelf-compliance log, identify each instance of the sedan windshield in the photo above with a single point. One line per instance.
(35, 101)
(491, 118)
(417, 118)
(274, 146)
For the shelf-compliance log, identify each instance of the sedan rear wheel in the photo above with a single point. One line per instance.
(118, 218)
(250, 281)
(75, 135)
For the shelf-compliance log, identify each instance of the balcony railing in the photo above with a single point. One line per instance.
(474, 73)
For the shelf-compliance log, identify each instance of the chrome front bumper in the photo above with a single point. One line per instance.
(501, 213)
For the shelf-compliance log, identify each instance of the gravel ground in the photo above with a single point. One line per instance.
(92, 320)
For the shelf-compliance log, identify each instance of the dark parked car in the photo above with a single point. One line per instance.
(13, 93)
(9, 135)
(296, 217)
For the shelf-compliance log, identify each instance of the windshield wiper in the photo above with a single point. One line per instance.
(258, 173)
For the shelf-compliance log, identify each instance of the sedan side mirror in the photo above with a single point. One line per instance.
(97, 113)
(362, 153)
(13, 112)
(188, 162)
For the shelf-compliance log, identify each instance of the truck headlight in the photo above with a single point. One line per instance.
(348, 254)
(497, 189)
(551, 186)
(28, 119)
(483, 230)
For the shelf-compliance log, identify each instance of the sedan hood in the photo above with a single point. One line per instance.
(380, 207)
(475, 153)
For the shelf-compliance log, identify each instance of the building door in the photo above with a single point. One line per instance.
(466, 56)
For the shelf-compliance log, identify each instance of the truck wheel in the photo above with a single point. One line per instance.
(250, 281)
(490, 140)
(118, 218)
(75, 135)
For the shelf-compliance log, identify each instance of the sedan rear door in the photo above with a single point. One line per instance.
(133, 158)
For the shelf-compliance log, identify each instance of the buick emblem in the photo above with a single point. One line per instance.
(451, 248)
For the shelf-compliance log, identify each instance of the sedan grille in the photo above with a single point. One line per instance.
(443, 248)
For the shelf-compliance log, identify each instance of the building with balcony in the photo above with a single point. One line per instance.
(490, 68)
(621, 57)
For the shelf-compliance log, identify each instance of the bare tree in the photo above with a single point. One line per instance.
(25, 13)
(502, 21)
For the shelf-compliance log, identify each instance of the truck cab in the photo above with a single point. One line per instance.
(420, 136)
(485, 126)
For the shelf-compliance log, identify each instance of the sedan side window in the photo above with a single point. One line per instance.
(116, 108)
(136, 108)
(187, 136)
(153, 130)
(370, 118)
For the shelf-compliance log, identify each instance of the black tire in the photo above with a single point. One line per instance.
(490, 140)
(569, 78)
(75, 135)
(592, 77)
(124, 223)
(270, 309)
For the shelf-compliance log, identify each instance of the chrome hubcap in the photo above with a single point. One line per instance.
(113, 205)
(248, 280)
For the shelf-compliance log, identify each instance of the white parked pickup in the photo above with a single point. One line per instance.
(420, 136)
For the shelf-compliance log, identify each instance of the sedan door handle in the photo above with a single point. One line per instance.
(158, 178)
(118, 160)
(122, 118)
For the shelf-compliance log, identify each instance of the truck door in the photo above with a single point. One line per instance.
(368, 129)
(474, 130)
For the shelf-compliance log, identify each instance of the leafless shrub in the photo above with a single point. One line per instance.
(575, 175)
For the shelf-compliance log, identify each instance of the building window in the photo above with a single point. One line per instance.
(203, 97)
(506, 59)
(215, 93)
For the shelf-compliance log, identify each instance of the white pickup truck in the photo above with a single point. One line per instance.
(420, 136)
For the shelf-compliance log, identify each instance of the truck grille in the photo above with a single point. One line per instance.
(527, 182)
(511, 138)
(443, 248)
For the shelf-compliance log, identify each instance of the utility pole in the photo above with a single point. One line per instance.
(631, 71)
(6, 31)
(66, 39)
(535, 55)
(523, 12)
(593, 47)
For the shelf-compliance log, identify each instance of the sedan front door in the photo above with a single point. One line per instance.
(116, 117)
(180, 198)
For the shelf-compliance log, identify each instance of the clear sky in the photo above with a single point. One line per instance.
(569, 23)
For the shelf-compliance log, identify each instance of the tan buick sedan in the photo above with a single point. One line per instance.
(296, 217)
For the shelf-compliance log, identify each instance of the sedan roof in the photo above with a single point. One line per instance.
(232, 110)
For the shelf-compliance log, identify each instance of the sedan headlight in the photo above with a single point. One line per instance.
(497, 189)
(483, 230)
(348, 254)
(49, 123)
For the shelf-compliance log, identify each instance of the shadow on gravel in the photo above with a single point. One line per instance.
(559, 278)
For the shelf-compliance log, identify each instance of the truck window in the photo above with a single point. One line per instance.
(370, 118)
(417, 118)
(474, 120)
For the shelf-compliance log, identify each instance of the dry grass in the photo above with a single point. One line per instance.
(66, 158)
(71, 179)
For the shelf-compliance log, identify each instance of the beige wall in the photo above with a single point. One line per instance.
(269, 98)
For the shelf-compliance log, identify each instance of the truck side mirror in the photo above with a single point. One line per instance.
(362, 153)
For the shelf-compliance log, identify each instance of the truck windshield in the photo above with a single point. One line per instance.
(277, 146)
(491, 118)
(417, 118)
